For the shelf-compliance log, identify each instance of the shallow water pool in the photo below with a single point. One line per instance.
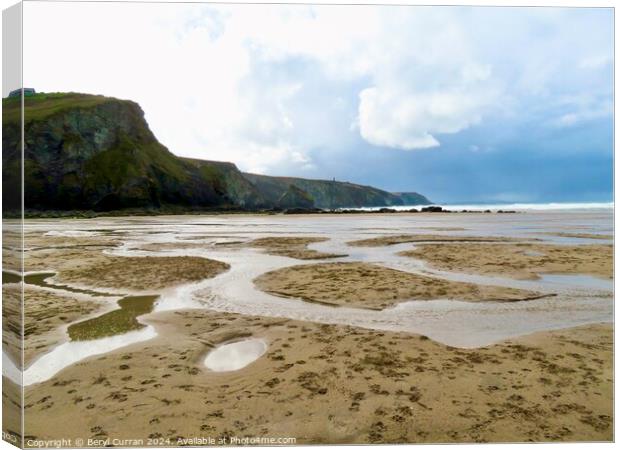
(235, 356)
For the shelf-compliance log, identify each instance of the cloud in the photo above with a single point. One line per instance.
(576, 109)
(408, 118)
(574, 118)
(265, 86)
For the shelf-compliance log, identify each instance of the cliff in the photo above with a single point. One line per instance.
(92, 152)
(334, 194)
(89, 152)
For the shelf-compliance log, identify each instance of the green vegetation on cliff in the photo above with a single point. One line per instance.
(92, 152)
(228, 180)
(89, 152)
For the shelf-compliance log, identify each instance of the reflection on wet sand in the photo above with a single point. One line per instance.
(235, 355)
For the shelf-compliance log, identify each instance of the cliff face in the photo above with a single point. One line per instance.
(411, 198)
(93, 152)
(334, 194)
(295, 198)
(227, 179)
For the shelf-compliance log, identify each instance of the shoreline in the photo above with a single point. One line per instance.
(510, 208)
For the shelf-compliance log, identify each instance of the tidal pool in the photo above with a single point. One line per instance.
(579, 281)
(40, 279)
(236, 355)
(69, 353)
(10, 277)
(114, 322)
(533, 253)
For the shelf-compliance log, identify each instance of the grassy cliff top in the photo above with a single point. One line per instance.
(43, 105)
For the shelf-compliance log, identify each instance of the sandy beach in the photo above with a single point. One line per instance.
(432, 329)
(365, 285)
(521, 261)
(407, 238)
(293, 247)
(333, 384)
(141, 273)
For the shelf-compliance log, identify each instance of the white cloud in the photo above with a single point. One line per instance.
(407, 117)
(263, 85)
(389, 121)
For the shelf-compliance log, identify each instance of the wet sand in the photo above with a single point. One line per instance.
(11, 409)
(45, 314)
(190, 243)
(292, 247)
(332, 384)
(11, 331)
(364, 285)
(520, 261)
(405, 238)
(320, 382)
(581, 235)
(12, 321)
(142, 273)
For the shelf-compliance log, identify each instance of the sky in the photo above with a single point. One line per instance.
(462, 104)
